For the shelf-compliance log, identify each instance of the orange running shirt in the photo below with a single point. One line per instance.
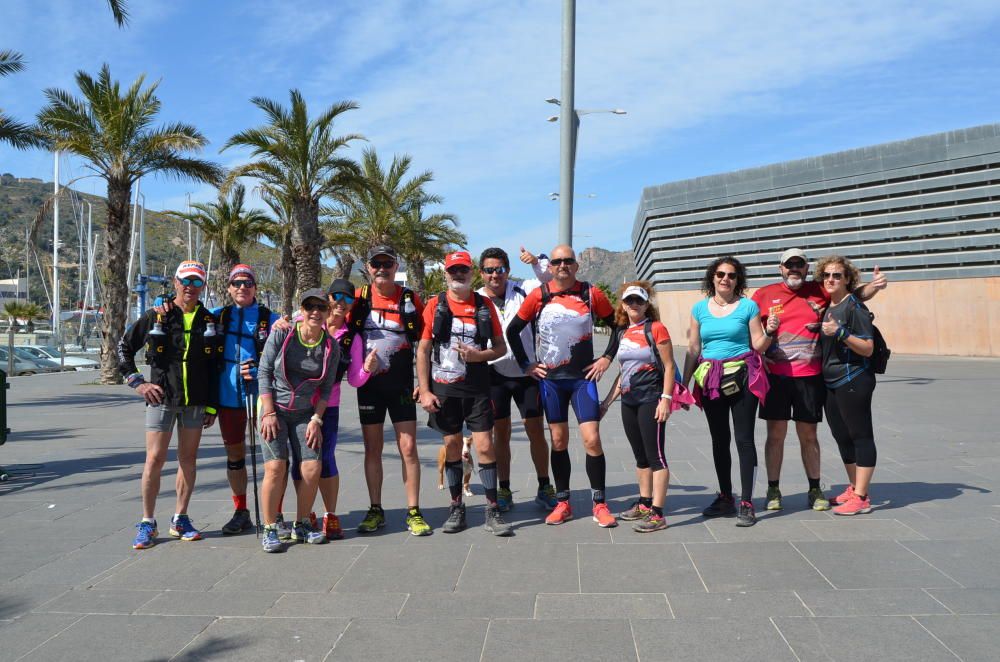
(384, 332)
(795, 351)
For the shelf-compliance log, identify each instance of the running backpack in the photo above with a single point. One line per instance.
(260, 334)
(345, 343)
(443, 318)
(879, 359)
(407, 313)
(547, 295)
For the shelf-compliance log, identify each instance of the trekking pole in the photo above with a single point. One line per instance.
(251, 406)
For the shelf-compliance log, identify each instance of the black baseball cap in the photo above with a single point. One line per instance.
(313, 293)
(382, 249)
(341, 286)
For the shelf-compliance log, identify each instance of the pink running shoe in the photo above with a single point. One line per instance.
(855, 506)
(603, 516)
(844, 497)
(561, 513)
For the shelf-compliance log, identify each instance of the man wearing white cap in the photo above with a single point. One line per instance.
(182, 349)
(794, 364)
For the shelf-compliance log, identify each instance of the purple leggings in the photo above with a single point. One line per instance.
(331, 420)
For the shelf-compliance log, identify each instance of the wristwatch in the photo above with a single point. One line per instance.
(316, 419)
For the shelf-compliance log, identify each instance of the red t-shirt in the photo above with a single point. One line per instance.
(450, 374)
(384, 332)
(795, 352)
(565, 343)
(641, 381)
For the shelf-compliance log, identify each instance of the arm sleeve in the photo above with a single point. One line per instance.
(129, 345)
(514, 340)
(330, 374)
(606, 313)
(356, 376)
(542, 272)
(265, 371)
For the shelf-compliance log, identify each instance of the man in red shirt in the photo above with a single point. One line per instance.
(454, 379)
(794, 364)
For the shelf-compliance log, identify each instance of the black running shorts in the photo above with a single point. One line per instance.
(378, 397)
(456, 411)
(798, 399)
(524, 391)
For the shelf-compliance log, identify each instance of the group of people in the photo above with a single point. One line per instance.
(795, 349)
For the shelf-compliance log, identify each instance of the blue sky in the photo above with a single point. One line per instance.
(709, 87)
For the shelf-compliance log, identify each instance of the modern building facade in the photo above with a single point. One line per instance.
(925, 210)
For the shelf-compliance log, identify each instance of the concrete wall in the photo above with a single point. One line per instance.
(954, 316)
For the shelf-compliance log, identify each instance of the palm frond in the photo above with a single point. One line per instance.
(10, 62)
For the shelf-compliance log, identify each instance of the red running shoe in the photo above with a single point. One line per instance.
(603, 516)
(856, 506)
(331, 524)
(844, 497)
(561, 513)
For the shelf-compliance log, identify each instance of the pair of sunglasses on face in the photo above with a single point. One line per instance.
(191, 281)
(339, 297)
(381, 264)
(795, 264)
(238, 284)
(560, 261)
(494, 270)
(311, 307)
(458, 269)
(724, 275)
(633, 301)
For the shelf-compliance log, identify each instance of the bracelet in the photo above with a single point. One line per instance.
(135, 380)
(316, 419)
(666, 396)
(769, 334)
(270, 413)
(842, 334)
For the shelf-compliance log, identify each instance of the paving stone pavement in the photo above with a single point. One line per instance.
(917, 579)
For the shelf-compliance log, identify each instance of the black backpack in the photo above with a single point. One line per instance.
(443, 318)
(260, 335)
(407, 313)
(879, 359)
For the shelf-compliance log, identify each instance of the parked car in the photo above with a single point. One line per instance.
(24, 366)
(49, 353)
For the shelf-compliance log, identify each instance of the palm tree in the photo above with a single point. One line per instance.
(14, 133)
(299, 159)
(422, 239)
(119, 9)
(366, 217)
(230, 226)
(113, 132)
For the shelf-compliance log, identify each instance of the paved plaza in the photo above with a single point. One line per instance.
(918, 579)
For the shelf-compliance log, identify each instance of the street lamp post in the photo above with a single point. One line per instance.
(570, 121)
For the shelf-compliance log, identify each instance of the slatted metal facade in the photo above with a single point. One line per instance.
(924, 209)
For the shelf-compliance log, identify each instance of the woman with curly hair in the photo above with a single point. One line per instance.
(724, 345)
(649, 394)
(850, 381)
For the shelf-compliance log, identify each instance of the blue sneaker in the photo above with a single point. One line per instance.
(181, 527)
(271, 543)
(505, 499)
(304, 532)
(146, 537)
(546, 497)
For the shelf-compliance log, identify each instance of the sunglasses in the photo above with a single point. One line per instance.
(243, 283)
(381, 264)
(458, 269)
(634, 301)
(494, 270)
(310, 307)
(192, 281)
(795, 264)
(723, 275)
(560, 261)
(833, 275)
(340, 297)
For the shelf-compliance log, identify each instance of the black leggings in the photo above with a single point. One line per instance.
(646, 436)
(743, 406)
(849, 414)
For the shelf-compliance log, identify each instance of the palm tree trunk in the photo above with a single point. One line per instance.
(345, 263)
(287, 268)
(113, 276)
(306, 244)
(227, 261)
(416, 273)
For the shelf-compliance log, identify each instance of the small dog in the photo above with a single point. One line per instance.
(468, 464)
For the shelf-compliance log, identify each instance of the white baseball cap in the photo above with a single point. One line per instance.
(635, 290)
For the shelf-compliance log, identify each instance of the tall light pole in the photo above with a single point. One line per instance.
(55, 252)
(567, 135)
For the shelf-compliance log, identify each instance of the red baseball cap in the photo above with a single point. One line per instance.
(458, 258)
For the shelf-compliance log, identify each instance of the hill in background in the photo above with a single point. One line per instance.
(601, 266)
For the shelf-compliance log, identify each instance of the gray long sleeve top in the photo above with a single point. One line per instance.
(293, 373)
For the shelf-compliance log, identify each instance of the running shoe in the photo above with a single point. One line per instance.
(505, 499)
(746, 516)
(603, 516)
(416, 523)
(561, 513)
(854, 506)
(145, 536)
(546, 497)
(331, 525)
(373, 521)
(818, 500)
(304, 532)
(844, 496)
(239, 523)
(456, 519)
(496, 524)
(284, 528)
(182, 527)
(314, 521)
(652, 523)
(636, 512)
(723, 506)
(773, 498)
(270, 542)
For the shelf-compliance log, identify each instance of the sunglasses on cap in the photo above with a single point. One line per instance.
(456, 269)
(559, 261)
(191, 281)
(310, 307)
(381, 264)
(723, 275)
(340, 297)
(795, 263)
(247, 283)
(493, 270)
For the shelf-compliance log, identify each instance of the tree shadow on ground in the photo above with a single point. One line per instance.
(77, 400)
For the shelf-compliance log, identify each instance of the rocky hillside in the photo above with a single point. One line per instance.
(601, 266)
